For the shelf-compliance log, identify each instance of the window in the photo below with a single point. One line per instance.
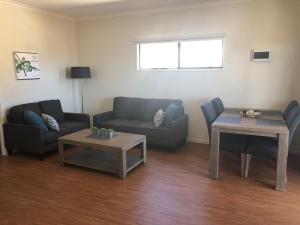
(181, 54)
(159, 55)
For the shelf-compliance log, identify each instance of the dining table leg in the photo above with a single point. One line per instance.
(214, 154)
(283, 146)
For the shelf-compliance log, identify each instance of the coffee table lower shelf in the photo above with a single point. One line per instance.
(106, 161)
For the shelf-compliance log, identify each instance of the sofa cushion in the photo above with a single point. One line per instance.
(121, 125)
(129, 108)
(153, 105)
(170, 114)
(51, 122)
(159, 118)
(16, 113)
(147, 128)
(32, 118)
(53, 108)
(65, 128)
(71, 127)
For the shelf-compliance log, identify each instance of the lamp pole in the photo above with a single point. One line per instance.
(81, 93)
(81, 73)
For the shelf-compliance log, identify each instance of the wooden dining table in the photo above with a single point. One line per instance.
(269, 124)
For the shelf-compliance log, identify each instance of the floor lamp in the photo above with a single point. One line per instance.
(80, 73)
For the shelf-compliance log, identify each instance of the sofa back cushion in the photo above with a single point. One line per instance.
(153, 105)
(129, 108)
(16, 113)
(53, 108)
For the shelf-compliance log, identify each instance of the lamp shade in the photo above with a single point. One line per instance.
(80, 72)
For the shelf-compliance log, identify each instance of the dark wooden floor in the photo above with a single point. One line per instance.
(170, 189)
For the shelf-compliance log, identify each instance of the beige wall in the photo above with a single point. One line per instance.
(107, 45)
(53, 38)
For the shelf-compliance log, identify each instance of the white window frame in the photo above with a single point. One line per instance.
(219, 37)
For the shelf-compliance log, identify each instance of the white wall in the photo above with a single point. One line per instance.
(54, 39)
(107, 45)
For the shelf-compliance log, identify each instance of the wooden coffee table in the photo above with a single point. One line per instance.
(104, 155)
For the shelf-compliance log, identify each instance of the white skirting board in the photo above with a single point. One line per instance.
(198, 140)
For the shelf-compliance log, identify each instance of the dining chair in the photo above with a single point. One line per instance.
(269, 146)
(218, 105)
(228, 142)
(292, 115)
(289, 108)
(210, 116)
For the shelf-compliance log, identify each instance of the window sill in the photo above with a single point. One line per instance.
(181, 70)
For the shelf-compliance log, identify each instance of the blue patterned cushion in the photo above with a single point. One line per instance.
(51, 122)
(34, 119)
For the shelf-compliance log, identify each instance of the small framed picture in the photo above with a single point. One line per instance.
(27, 65)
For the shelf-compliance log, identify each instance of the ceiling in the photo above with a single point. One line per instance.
(80, 9)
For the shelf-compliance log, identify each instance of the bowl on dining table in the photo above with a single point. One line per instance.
(250, 113)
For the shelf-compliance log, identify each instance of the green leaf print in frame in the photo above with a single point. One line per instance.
(27, 65)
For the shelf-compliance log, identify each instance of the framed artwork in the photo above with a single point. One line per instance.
(27, 65)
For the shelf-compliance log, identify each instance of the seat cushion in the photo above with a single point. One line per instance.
(129, 108)
(121, 125)
(65, 128)
(16, 113)
(262, 146)
(153, 105)
(71, 127)
(53, 108)
(148, 128)
(232, 142)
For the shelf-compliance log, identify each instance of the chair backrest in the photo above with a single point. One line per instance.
(294, 125)
(210, 116)
(289, 108)
(291, 116)
(218, 105)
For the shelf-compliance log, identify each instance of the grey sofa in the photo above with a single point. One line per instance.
(30, 138)
(135, 115)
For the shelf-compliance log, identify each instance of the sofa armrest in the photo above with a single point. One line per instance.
(77, 117)
(24, 137)
(179, 127)
(102, 117)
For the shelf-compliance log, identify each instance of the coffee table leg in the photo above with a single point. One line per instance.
(144, 151)
(122, 164)
(61, 152)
